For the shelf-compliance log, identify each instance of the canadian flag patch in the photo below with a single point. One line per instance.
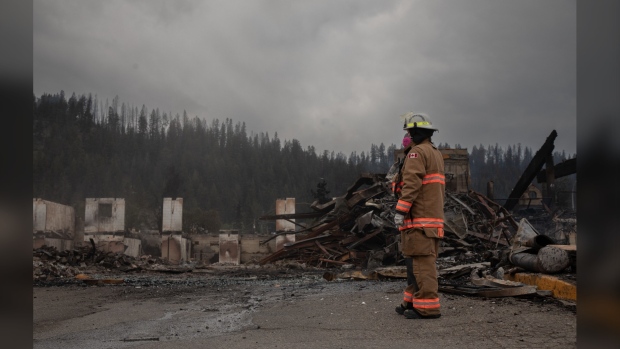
(412, 155)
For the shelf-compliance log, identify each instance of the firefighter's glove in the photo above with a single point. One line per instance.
(398, 219)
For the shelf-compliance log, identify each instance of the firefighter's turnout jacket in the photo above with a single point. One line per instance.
(420, 188)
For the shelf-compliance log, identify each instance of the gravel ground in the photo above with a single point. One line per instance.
(232, 308)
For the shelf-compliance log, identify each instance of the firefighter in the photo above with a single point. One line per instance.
(419, 218)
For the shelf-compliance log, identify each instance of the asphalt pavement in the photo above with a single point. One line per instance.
(300, 311)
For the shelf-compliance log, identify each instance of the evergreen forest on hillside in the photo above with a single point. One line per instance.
(228, 176)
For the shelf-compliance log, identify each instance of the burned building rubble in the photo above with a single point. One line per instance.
(353, 236)
(482, 242)
(49, 263)
(357, 228)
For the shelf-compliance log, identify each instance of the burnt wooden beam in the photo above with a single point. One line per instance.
(550, 174)
(365, 238)
(531, 171)
(332, 261)
(322, 248)
(483, 204)
(327, 226)
(364, 179)
(560, 170)
(364, 195)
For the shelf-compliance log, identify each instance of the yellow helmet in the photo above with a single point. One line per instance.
(419, 120)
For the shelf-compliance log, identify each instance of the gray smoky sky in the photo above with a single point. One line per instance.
(332, 74)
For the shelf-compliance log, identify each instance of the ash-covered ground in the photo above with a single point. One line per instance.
(258, 307)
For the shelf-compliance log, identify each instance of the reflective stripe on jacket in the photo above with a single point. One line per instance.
(422, 223)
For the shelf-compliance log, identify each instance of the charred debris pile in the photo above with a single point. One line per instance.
(49, 263)
(482, 239)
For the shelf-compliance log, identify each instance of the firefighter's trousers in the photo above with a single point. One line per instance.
(423, 293)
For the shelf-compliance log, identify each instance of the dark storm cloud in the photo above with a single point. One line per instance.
(333, 74)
